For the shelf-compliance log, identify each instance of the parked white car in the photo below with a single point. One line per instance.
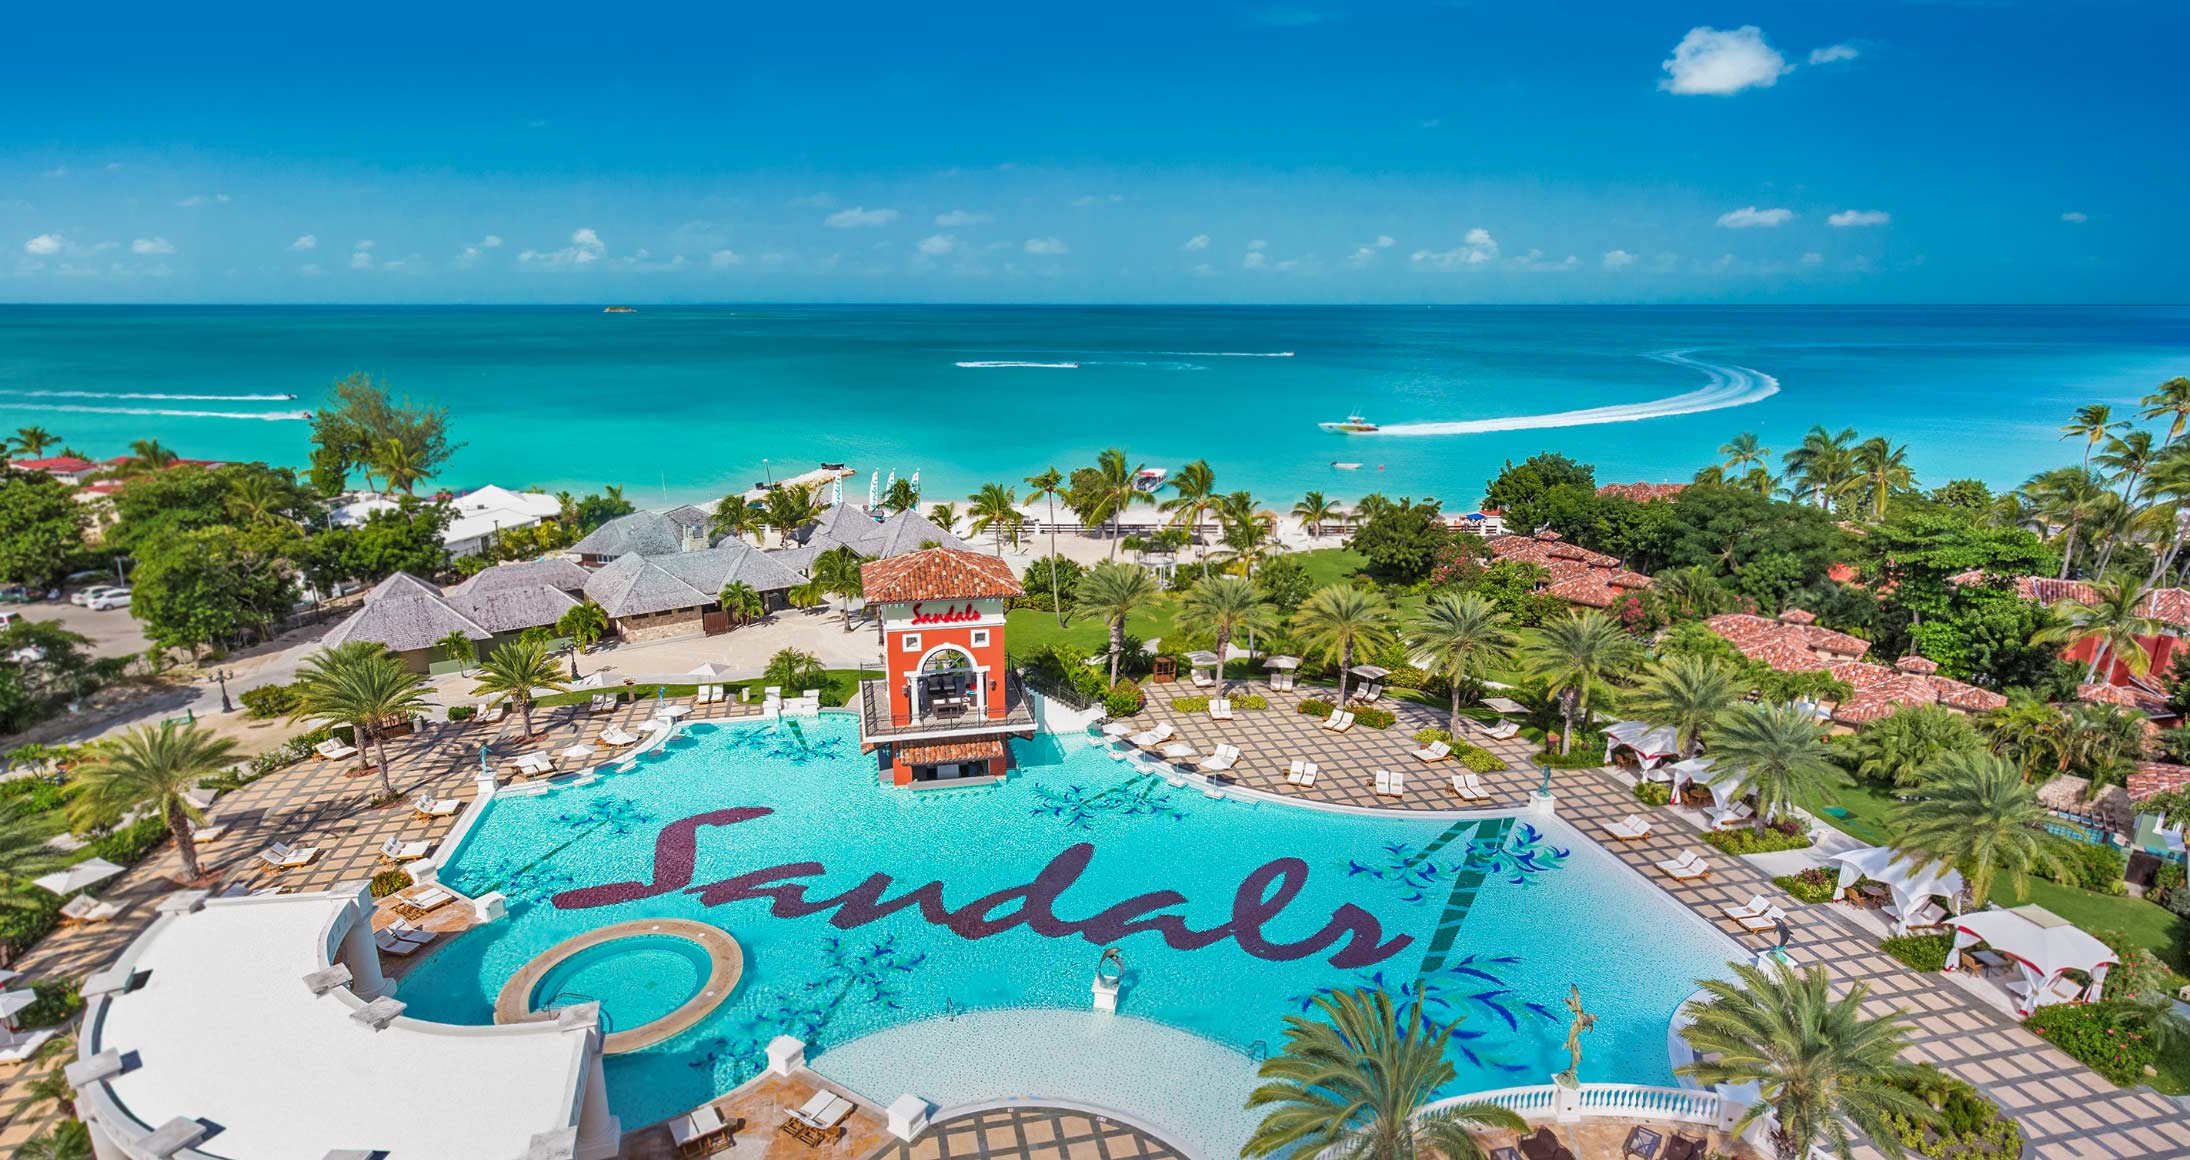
(110, 599)
(85, 596)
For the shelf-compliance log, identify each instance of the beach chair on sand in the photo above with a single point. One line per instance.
(335, 749)
(1224, 758)
(1302, 773)
(1339, 721)
(1434, 751)
(1389, 784)
(1629, 828)
(1220, 709)
(820, 1121)
(1686, 866)
(1469, 787)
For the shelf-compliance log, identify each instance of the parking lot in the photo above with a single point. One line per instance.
(112, 633)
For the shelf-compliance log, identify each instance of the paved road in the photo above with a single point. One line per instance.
(113, 633)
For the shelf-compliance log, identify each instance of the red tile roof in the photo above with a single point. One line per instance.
(2153, 777)
(2169, 605)
(946, 752)
(2128, 698)
(937, 574)
(62, 464)
(1598, 587)
(1641, 492)
(1778, 642)
(1880, 691)
(1798, 616)
(1574, 574)
(1921, 666)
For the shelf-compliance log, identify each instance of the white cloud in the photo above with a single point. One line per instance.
(937, 245)
(364, 244)
(1618, 259)
(1858, 217)
(1813, 258)
(1720, 63)
(585, 248)
(1255, 260)
(959, 219)
(2076, 217)
(1833, 52)
(305, 242)
(859, 217)
(490, 241)
(1049, 247)
(1197, 242)
(1361, 257)
(1535, 260)
(1475, 249)
(723, 259)
(203, 199)
(45, 245)
(1750, 217)
(1258, 244)
(151, 246)
(361, 255)
(1386, 241)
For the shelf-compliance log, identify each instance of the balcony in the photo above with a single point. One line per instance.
(878, 723)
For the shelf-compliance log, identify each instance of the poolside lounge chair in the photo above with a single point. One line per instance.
(1434, 751)
(1369, 694)
(1686, 866)
(397, 850)
(1629, 828)
(211, 831)
(702, 1131)
(418, 903)
(1544, 1145)
(282, 856)
(1339, 721)
(1501, 731)
(618, 735)
(491, 713)
(426, 805)
(1302, 772)
(17, 1046)
(821, 1121)
(335, 749)
(602, 703)
(1469, 787)
(1224, 758)
(1149, 739)
(534, 763)
(85, 908)
(1281, 682)
(1928, 915)
(1176, 750)
(1389, 784)
(1756, 905)
(1202, 679)
(1771, 917)
(1220, 709)
(401, 944)
(1119, 728)
(1736, 815)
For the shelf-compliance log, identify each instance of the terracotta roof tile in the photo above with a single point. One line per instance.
(937, 574)
(1641, 492)
(1920, 665)
(1966, 697)
(2153, 777)
(1798, 616)
(945, 752)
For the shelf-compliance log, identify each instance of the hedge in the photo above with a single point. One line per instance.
(1123, 700)
(1479, 759)
(2108, 1037)
(463, 712)
(1250, 701)
(1653, 793)
(269, 701)
(128, 845)
(1811, 885)
(1920, 952)
(58, 1001)
(1747, 840)
(1375, 718)
(1315, 707)
(1968, 1126)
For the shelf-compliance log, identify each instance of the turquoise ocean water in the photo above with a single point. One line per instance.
(686, 402)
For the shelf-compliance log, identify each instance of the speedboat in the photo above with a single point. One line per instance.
(1353, 425)
(1345, 466)
(1148, 479)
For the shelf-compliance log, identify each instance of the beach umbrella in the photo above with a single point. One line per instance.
(1201, 659)
(12, 1004)
(89, 872)
(1286, 663)
(576, 752)
(1371, 672)
(713, 671)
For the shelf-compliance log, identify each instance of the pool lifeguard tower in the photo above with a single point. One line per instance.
(947, 701)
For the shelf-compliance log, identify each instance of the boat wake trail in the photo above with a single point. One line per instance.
(164, 412)
(1228, 353)
(1728, 386)
(1053, 366)
(147, 395)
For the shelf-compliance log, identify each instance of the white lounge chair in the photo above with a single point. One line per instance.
(1281, 682)
(1389, 784)
(618, 735)
(697, 1131)
(1928, 915)
(1763, 922)
(1176, 750)
(1119, 728)
(210, 832)
(85, 908)
(399, 945)
(534, 763)
(602, 703)
(1756, 905)
(1469, 787)
(1220, 709)
(1202, 679)
(1370, 693)
(1629, 828)
(1732, 816)
(17, 1046)
(422, 901)
(1502, 731)
(1302, 772)
(824, 1111)
(425, 805)
(1151, 738)
(491, 713)
(335, 749)
(397, 850)
(281, 856)
(1686, 866)
(1434, 751)
(1224, 758)
(1339, 721)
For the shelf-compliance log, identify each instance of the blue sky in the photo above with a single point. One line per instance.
(1496, 151)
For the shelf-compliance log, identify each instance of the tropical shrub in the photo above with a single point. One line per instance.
(1653, 793)
(463, 712)
(1190, 704)
(1811, 885)
(1250, 701)
(128, 845)
(1770, 840)
(2095, 867)
(2136, 970)
(1375, 718)
(791, 669)
(1967, 1126)
(268, 701)
(22, 926)
(1431, 736)
(57, 1002)
(2167, 882)
(387, 882)
(1479, 759)
(2107, 1037)
(1315, 707)
(1124, 699)
(1920, 952)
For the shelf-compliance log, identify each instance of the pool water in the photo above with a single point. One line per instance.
(636, 980)
(861, 908)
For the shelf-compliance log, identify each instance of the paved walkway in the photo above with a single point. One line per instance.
(1032, 1134)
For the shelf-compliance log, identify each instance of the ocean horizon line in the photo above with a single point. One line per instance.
(979, 304)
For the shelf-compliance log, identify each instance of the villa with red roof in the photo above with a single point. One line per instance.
(1641, 492)
(66, 468)
(1575, 574)
(1794, 643)
(2169, 606)
(948, 700)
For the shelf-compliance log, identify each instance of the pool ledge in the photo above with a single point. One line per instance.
(726, 966)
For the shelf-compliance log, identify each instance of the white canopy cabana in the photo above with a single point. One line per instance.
(1651, 743)
(713, 671)
(1695, 769)
(89, 872)
(2044, 947)
(1914, 882)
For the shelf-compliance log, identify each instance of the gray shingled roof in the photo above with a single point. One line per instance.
(800, 558)
(690, 516)
(553, 572)
(846, 523)
(405, 613)
(648, 533)
(633, 585)
(907, 531)
(710, 570)
(515, 609)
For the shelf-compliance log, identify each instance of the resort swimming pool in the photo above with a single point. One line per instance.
(860, 908)
(636, 980)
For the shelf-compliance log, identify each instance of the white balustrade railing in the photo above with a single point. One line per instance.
(1619, 1100)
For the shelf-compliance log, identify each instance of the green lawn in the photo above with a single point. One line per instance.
(836, 689)
(1866, 807)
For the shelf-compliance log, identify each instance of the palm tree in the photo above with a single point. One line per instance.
(154, 767)
(2129, 456)
(837, 572)
(1902, 748)
(995, 510)
(255, 499)
(1822, 465)
(1689, 693)
(360, 684)
(24, 855)
(1355, 1081)
(1820, 1064)
(1368, 507)
(148, 455)
(1115, 491)
(742, 603)
(1112, 591)
(1227, 606)
(2066, 497)
(900, 496)
(1196, 485)
(1884, 467)
(1339, 622)
(1979, 814)
(33, 441)
(1782, 756)
(2111, 622)
(2168, 484)
(583, 624)
(944, 516)
(2093, 421)
(1573, 656)
(2171, 399)
(401, 465)
(788, 509)
(1048, 485)
(1743, 451)
(1247, 532)
(1459, 637)
(1314, 510)
(514, 670)
(734, 516)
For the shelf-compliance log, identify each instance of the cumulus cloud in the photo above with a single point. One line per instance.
(1049, 247)
(204, 199)
(151, 246)
(1858, 217)
(1721, 62)
(723, 259)
(45, 245)
(1197, 242)
(1386, 241)
(1475, 249)
(1750, 217)
(490, 241)
(584, 249)
(2076, 217)
(1618, 259)
(859, 217)
(305, 242)
(959, 219)
(1254, 260)
(1833, 52)
(361, 255)
(1535, 260)
(937, 245)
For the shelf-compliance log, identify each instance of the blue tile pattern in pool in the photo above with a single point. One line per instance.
(860, 907)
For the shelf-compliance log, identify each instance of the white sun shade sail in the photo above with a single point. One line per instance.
(1282, 662)
(1911, 879)
(2043, 943)
(1371, 672)
(1201, 659)
(89, 872)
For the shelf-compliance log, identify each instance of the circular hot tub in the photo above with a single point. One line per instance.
(652, 979)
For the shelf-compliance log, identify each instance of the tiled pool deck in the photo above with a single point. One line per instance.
(2064, 1108)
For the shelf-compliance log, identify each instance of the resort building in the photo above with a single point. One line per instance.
(848, 525)
(654, 597)
(947, 700)
(1573, 574)
(2169, 606)
(476, 515)
(411, 617)
(258, 1028)
(1641, 492)
(2150, 833)
(66, 468)
(1794, 642)
(1789, 643)
(646, 533)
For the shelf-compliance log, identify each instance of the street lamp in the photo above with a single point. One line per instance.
(222, 675)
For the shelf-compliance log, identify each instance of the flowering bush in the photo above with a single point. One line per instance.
(1123, 700)
(1316, 707)
(1812, 885)
(2109, 1038)
(1748, 841)
(1374, 717)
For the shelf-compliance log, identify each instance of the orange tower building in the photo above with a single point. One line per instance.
(947, 700)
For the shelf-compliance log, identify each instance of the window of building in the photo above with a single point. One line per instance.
(980, 638)
(912, 642)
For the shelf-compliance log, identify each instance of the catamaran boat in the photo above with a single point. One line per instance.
(1353, 425)
(1148, 479)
